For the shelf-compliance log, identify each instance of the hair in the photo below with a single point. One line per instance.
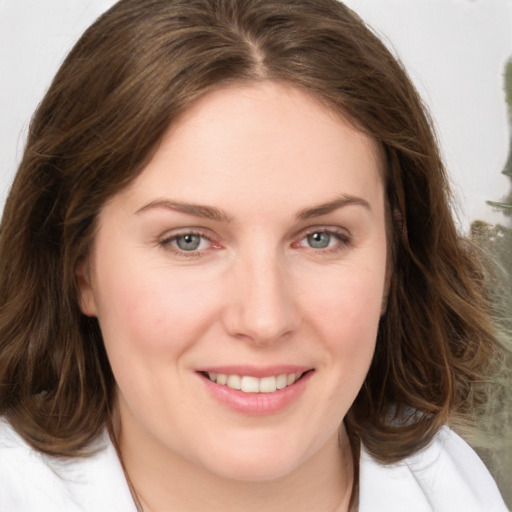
(124, 83)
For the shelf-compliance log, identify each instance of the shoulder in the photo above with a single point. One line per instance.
(30, 480)
(445, 476)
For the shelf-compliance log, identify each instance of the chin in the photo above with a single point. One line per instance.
(254, 471)
(256, 460)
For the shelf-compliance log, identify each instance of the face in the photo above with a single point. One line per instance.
(239, 282)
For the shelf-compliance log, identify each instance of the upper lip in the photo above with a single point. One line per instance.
(255, 371)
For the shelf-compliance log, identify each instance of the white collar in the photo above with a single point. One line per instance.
(446, 476)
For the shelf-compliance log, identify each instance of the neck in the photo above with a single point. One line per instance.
(166, 481)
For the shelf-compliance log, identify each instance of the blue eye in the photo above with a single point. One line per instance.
(319, 240)
(188, 242)
(328, 240)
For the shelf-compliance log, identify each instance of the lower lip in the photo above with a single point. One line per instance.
(258, 404)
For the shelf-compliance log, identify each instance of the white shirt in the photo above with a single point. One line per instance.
(447, 476)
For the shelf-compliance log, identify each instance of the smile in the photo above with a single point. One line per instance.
(249, 384)
(256, 391)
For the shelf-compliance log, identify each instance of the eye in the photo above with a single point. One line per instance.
(319, 240)
(186, 243)
(325, 240)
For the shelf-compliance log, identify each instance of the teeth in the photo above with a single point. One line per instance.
(234, 382)
(267, 385)
(249, 384)
(281, 381)
(221, 379)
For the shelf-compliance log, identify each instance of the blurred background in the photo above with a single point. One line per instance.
(458, 53)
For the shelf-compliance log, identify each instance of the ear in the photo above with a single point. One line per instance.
(86, 298)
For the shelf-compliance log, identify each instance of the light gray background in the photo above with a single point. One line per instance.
(455, 51)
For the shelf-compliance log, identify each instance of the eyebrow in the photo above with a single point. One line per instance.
(197, 210)
(216, 214)
(330, 206)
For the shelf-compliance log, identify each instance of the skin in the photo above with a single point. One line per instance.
(256, 291)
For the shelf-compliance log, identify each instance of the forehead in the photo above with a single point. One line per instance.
(265, 141)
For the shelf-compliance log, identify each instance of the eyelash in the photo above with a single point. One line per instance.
(343, 238)
(167, 243)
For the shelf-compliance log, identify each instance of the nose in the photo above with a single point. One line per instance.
(262, 308)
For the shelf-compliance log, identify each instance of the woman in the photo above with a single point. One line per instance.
(230, 277)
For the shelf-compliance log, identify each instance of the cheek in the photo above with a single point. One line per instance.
(154, 312)
(149, 324)
(346, 313)
(349, 300)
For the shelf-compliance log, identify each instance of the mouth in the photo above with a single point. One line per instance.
(256, 391)
(255, 385)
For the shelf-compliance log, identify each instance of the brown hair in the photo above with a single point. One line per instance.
(129, 76)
